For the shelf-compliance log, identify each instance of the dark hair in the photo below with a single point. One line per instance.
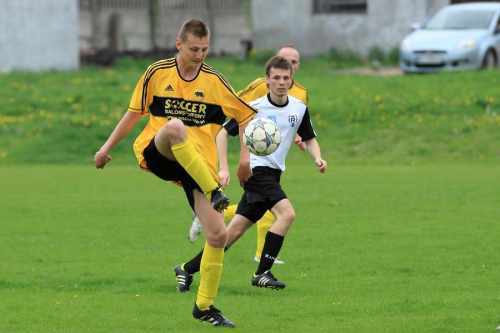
(195, 27)
(277, 62)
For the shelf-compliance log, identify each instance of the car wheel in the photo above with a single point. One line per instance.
(489, 60)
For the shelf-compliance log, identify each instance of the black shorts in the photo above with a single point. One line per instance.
(170, 170)
(262, 192)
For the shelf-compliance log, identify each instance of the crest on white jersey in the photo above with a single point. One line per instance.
(293, 119)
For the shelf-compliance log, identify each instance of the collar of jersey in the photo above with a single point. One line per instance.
(276, 105)
(179, 72)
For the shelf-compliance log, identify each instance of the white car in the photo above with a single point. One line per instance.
(464, 36)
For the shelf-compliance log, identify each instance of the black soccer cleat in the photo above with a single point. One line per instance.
(212, 316)
(184, 279)
(218, 200)
(267, 280)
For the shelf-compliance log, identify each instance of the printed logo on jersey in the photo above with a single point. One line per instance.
(169, 88)
(292, 119)
(199, 94)
(192, 113)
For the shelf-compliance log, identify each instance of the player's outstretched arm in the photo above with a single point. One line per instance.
(298, 141)
(244, 171)
(122, 129)
(221, 141)
(314, 150)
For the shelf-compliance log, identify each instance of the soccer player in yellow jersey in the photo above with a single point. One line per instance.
(187, 101)
(259, 87)
(254, 90)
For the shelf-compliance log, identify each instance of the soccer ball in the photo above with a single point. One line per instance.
(262, 136)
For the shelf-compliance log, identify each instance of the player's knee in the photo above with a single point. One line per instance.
(289, 216)
(174, 131)
(217, 238)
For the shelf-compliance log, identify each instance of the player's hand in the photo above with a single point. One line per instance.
(101, 158)
(321, 164)
(224, 177)
(244, 172)
(298, 141)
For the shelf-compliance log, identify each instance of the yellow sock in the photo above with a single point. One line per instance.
(229, 213)
(210, 275)
(263, 226)
(186, 154)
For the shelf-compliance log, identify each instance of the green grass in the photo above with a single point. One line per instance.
(65, 117)
(401, 234)
(374, 248)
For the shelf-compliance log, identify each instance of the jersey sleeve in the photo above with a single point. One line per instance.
(233, 106)
(138, 99)
(306, 130)
(231, 127)
(254, 90)
(299, 91)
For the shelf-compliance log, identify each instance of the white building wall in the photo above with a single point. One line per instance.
(386, 22)
(38, 34)
(228, 28)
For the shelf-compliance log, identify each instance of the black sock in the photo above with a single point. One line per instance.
(272, 247)
(193, 265)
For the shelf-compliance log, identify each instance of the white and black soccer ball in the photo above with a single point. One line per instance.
(262, 136)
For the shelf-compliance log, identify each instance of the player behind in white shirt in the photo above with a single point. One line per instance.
(251, 92)
(263, 190)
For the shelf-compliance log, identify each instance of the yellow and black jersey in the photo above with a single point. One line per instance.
(202, 104)
(258, 88)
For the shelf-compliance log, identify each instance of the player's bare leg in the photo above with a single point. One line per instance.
(173, 142)
(237, 227)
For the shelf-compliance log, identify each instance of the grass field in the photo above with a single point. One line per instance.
(64, 117)
(374, 249)
(400, 235)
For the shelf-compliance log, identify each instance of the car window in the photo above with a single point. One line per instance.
(461, 19)
(497, 26)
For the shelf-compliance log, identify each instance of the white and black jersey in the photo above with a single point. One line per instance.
(291, 118)
(263, 189)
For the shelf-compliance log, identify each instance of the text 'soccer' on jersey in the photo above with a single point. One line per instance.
(191, 113)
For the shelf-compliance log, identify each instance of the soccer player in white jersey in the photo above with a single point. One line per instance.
(251, 92)
(263, 190)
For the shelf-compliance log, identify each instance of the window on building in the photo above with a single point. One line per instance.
(339, 6)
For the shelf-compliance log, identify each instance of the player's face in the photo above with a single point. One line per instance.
(193, 50)
(278, 81)
(292, 56)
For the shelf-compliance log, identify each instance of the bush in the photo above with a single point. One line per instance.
(376, 54)
(261, 56)
(393, 56)
(343, 58)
